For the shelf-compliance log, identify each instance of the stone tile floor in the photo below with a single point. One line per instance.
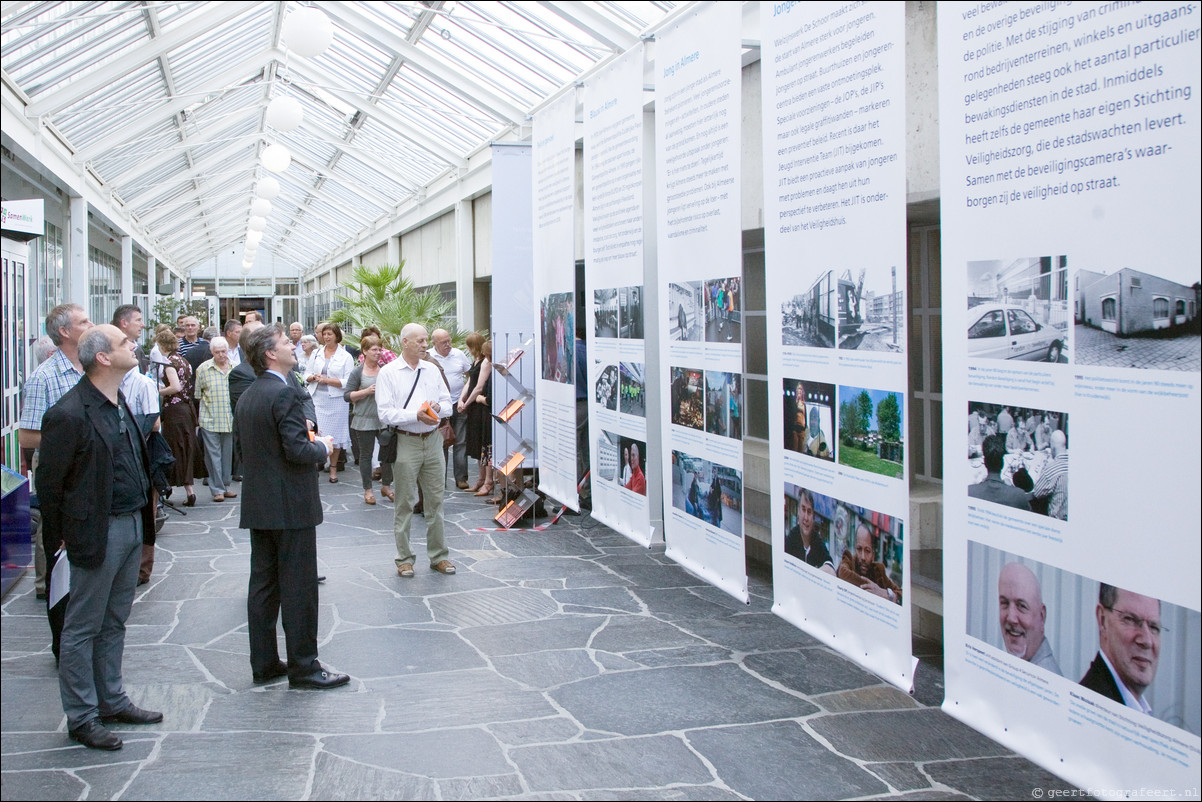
(564, 664)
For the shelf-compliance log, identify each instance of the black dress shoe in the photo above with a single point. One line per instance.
(133, 715)
(319, 680)
(93, 735)
(275, 672)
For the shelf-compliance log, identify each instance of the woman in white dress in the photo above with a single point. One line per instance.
(326, 373)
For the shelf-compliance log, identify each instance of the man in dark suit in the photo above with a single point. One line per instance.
(282, 508)
(1128, 647)
(94, 483)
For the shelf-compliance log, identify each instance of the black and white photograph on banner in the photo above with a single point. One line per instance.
(873, 556)
(1139, 652)
(872, 311)
(723, 315)
(685, 311)
(724, 404)
(557, 316)
(1018, 309)
(810, 418)
(609, 459)
(1018, 457)
(633, 389)
(1129, 318)
(605, 320)
(707, 491)
(810, 318)
(809, 519)
(607, 386)
(630, 313)
(687, 397)
(870, 430)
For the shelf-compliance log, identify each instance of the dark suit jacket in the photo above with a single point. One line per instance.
(1099, 679)
(243, 376)
(75, 477)
(279, 488)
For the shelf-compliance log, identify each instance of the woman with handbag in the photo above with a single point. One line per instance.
(173, 375)
(476, 402)
(360, 390)
(326, 374)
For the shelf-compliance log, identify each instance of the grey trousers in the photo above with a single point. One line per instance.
(219, 458)
(93, 641)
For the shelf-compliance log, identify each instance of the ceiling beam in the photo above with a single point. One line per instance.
(454, 80)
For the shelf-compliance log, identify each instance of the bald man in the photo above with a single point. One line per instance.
(864, 571)
(1022, 616)
(412, 397)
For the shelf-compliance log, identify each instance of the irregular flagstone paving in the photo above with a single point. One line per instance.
(564, 664)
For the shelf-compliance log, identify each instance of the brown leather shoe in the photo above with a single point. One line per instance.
(387, 492)
(219, 497)
(461, 485)
(405, 570)
(230, 494)
(368, 498)
(443, 567)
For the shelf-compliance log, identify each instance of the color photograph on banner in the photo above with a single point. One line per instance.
(1070, 194)
(614, 179)
(835, 273)
(554, 172)
(1134, 651)
(698, 76)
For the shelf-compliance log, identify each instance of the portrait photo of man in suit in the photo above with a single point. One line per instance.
(282, 509)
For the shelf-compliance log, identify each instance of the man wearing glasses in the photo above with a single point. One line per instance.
(1128, 647)
(94, 483)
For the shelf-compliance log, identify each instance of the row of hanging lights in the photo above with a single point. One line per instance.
(307, 33)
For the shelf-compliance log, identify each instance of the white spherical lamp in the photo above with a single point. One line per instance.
(260, 207)
(284, 113)
(253, 238)
(257, 223)
(308, 32)
(268, 189)
(276, 158)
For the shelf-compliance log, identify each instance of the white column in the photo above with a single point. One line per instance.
(394, 250)
(76, 290)
(465, 266)
(127, 269)
(152, 279)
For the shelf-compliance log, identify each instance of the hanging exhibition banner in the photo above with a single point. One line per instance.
(697, 147)
(833, 89)
(555, 292)
(613, 280)
(513, 316)
(1069, 159)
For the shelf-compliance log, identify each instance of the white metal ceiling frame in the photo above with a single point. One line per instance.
(163, 36)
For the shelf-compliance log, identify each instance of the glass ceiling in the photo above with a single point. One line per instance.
(166, 103)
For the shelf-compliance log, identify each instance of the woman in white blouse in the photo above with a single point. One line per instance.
(325, 375)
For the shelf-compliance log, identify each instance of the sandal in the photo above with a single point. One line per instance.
(333, 480)
(368, 498)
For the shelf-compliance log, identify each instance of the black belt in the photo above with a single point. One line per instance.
(416, 434)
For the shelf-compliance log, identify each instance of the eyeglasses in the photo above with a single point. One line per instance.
(1135, 623)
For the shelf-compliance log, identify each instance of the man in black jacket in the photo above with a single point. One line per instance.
(94, 486)
(281, 507)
